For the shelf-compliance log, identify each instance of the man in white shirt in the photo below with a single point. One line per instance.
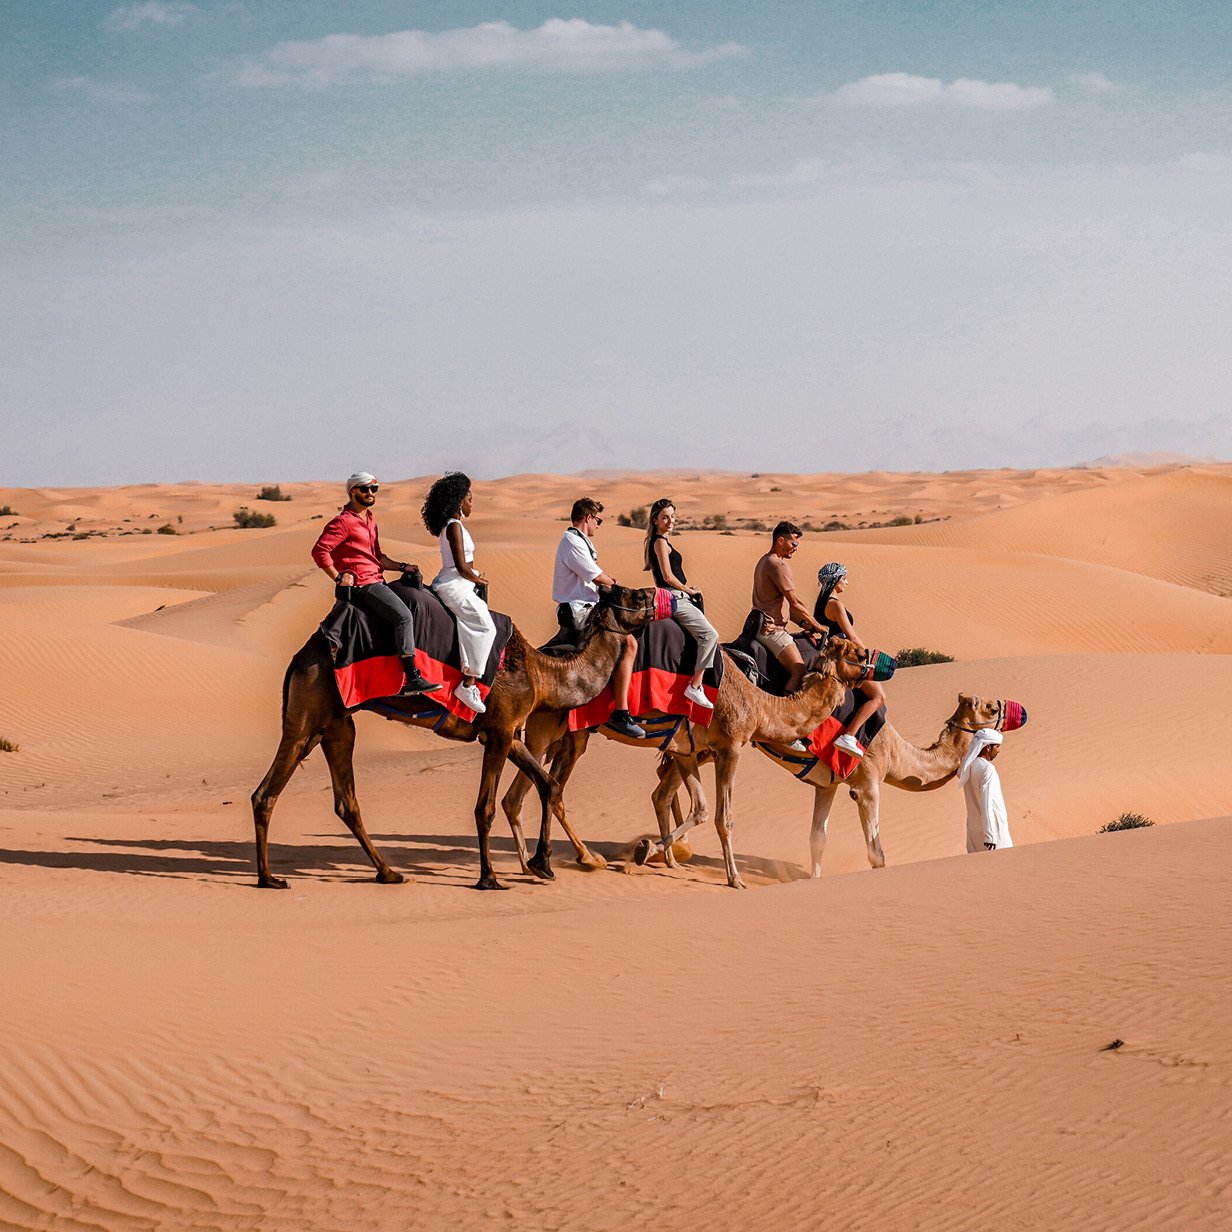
(988, 826)
(576, 578)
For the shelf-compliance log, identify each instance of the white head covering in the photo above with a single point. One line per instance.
(979, 742)
(358, 480)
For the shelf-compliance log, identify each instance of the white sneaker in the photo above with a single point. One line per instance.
(698, 698)
(468, 695)
(849, 744)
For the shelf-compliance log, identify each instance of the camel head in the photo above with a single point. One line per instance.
(974, 712)
(621, 609)
(844, 660)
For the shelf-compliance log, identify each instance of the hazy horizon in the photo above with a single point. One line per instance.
(634, 236)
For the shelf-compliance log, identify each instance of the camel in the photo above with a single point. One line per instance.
(742, 713)
(527, 682)
(890, 759)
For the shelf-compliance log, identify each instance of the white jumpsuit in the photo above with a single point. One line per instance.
(476, 632)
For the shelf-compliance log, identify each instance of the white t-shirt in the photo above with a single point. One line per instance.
(577, 566)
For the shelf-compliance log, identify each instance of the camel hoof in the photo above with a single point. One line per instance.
(387, 876)
(541, 869)
(642, 852)
(489, 883)
(271, 883)
(590, 861)
(737, 884)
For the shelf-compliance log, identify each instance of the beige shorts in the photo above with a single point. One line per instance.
(776, 642)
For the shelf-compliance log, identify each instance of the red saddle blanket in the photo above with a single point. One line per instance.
(366, 664)
(666, 656)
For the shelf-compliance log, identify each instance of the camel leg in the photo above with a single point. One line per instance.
(495, 753)
(292, 749)
(550, 789)
(570, 748)
(665, 799)
(511, 802)
(338, 744)
(867, 795)
(823, 802)
(725, 781)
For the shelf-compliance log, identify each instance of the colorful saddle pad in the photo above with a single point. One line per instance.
(666, 656)
(821, 747)
(366, 664)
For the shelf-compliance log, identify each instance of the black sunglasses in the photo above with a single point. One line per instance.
(368, 487)
(597, 518)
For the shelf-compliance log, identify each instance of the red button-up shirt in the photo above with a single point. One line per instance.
(350, 543)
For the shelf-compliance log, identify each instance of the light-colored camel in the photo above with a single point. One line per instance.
(742, 713)
(528, 681)
(890, 759)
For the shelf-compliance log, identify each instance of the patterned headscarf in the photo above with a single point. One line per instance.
(828, 577)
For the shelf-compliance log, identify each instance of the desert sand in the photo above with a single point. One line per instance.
(924, 1046)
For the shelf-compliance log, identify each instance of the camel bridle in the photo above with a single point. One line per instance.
(996, 724)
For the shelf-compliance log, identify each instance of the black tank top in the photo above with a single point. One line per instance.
(673, 560)
(819, 615)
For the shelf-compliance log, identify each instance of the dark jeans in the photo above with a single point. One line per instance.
(379, 601)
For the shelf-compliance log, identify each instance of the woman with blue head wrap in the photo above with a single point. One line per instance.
(831, 613)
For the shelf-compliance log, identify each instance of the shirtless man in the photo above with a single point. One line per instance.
(776, 598)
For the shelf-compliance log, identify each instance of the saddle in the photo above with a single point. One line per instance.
(366, 663)
(664, 665)
(759, 665)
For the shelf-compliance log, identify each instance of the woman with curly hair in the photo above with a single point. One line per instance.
(449, 500)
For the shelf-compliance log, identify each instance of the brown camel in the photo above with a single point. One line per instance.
(742, 713)
(890, 759)
(527, 682)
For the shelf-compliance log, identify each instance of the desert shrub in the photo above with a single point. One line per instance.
(835, 524)
(623, 519)
(167, 529)
(917, 656)
(1127, 821)
(272, 492)
(755, 524)
(247, 518)
(899, 521)
(7, 511)
(145, 530)
(82, 534)
(7, 746)
(714, 521)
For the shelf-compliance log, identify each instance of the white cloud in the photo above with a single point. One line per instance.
(101, 91)
(153, 12)
(570, 45)
(674, 185)
(1097, 83)
(909, 90)
(802, 171)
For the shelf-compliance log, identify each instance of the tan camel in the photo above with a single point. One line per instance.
(890, 759)
(528, 681)
(742, 713)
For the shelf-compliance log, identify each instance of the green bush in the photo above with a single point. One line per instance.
(7, 511)
(7, 746)
(247, 518)
(1127, 821)
(917, 656)
(272, 492)
(167, 529)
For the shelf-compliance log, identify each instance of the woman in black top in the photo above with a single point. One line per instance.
(831, 613)
(667, 567)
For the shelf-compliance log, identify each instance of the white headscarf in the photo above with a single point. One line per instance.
(979, 742)
(359, 480)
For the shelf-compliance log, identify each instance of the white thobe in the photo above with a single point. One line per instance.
(987, 821)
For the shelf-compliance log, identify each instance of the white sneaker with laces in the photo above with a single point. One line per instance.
(468, 695)
(849, 744)
(698, 698)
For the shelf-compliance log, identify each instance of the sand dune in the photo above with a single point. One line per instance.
(917, 1047)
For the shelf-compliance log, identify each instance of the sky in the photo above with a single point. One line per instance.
(282, 240)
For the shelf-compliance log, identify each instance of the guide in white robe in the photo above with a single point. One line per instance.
(987, 819)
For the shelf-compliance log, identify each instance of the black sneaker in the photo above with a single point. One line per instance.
(622, 723)
(416, 682)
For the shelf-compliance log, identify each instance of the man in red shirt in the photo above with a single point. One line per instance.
(349, 551)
